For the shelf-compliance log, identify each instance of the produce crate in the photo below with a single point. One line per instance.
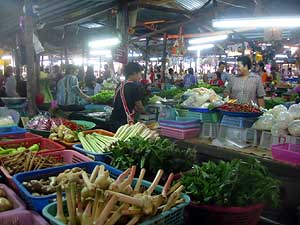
(66, 157)
(46, 145)
(287, 152)
(206, 115)
(173, 216)
(18, 205)
(180, 123)
(294, 140)
(182, 112)
(19, 137)
(210, 130)
(103, 157)
(7, 130)
(38, 203)
(180, 134)
(23, 217)
(237, 122)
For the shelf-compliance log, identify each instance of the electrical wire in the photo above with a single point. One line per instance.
(233, 5)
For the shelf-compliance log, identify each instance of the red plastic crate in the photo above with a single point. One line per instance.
(46, 145)
(66, 157)
(180, 134)
(287, 152)
(20, 137)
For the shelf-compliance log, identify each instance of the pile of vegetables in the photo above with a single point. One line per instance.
(152, 155)
(271, 103)
(101, 200)
(47, 186)
(234, 183)
(96, 142)
(208, 86)
(201, 98)
(63, 133)
(235, 107)
(105, 96)
(45, 123)
(27, 161)
(19, 149)
(99, 143)
(171, 93)
(280, 121)
(5, 203)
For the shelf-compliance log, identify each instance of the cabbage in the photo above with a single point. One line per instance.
(283, 120)
(294, 110)
(276, 131)
(278, 109)
(265, 122)
(294, 128)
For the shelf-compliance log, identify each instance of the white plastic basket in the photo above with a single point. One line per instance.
(209, 130)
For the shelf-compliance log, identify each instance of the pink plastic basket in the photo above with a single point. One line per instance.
(16, 201)
(65, 156)
(287, 152)
(23, 217)
(179, 133)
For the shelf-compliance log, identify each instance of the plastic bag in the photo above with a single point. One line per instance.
(294, 110)
(294, 128)
(283, 120)
(265, 122)
(196, 100)
(278, 109)
(276, 131)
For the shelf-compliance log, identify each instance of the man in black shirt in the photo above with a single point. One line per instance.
(127, 98)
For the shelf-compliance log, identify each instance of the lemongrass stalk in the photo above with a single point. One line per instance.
(60, 212)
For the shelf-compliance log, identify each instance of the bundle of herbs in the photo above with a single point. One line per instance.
(235, 183)
(152, 155)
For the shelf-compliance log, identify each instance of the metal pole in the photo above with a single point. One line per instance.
(31, 80)
(164, 58)
(146, 57)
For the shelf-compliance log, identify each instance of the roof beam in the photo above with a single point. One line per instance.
(91, 13)
(162, 8)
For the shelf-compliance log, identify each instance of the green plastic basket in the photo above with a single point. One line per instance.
(86, 124)
(182, 112)
(43, 133)
(174, 216)
(211, 117)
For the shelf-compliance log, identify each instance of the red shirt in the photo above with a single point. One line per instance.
(218, 82)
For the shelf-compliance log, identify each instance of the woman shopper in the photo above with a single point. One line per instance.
(246, 87)
(128, 97)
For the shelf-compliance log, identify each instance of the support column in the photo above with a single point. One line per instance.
(124, 23)
(146, 57)
(66, 46)
(29, 49)
(164, 59)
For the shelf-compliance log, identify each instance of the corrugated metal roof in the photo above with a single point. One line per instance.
(191, 4)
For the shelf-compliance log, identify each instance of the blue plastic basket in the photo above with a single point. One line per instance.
(174, 216)
(38, 203)
(237, 122)
(102, 157)
(11, 130)
(241, 114)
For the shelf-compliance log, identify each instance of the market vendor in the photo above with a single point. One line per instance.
(68, 92)
(246, 87)
(127, 98)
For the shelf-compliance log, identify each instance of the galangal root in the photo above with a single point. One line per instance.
(104, 201)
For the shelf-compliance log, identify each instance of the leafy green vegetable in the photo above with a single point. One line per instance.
(152, 155)
(270, 103)
(171, 93)
(104, 96)
(234, 183)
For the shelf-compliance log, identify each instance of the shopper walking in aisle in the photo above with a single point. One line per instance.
(128, 97)
(189, 79)
(260, 68)
(246, 87)
(90, 81)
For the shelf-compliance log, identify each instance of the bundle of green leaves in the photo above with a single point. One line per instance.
(152, 155)
(104, 96)
(171, 93)
(234, 183)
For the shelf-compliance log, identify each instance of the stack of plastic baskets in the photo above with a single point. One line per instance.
(181, 128)
(267, 140)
